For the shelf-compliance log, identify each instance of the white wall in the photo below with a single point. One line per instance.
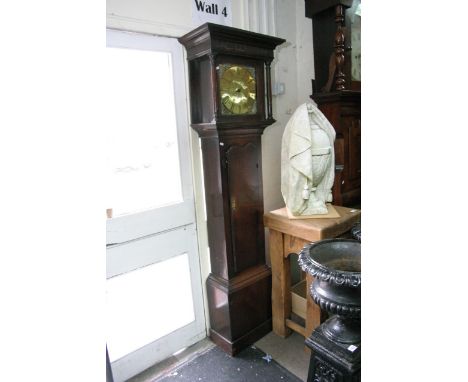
(292, 66)
(163, 17)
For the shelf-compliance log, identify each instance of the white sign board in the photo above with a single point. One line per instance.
(211, 11)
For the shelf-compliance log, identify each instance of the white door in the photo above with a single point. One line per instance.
(154, 303)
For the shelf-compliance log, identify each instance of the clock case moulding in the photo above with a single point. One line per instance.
(239, 285)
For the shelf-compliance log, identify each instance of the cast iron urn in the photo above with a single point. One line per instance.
(336, 267)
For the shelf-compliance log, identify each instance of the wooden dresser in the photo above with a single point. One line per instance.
(336, 87)
(343, 110)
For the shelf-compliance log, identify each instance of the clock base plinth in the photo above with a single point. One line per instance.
(240, 308)
(234, 347)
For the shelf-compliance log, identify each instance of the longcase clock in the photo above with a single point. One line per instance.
(230, 100)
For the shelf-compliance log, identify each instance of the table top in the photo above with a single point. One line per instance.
(312, 229)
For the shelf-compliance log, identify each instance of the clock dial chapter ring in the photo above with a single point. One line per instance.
(237, 88)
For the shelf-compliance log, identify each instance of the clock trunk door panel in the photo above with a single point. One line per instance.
(243, 175)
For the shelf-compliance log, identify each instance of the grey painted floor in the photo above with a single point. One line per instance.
(168, 365)
(289, 353)
(249, 365)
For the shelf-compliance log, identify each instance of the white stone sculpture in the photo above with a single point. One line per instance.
(307, 161)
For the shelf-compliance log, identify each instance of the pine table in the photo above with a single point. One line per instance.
(289, 236)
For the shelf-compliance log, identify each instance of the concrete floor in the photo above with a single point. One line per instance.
(289, 353)
(167, 366)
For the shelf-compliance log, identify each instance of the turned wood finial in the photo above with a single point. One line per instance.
(339, 48)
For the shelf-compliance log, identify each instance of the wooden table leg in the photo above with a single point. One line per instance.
(313, 310)
(281, 280)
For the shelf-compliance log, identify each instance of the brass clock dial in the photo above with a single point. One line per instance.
(238, 89)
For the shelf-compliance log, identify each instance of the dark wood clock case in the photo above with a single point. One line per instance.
(239, 285)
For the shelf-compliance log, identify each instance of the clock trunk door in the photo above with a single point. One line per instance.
(244, 181)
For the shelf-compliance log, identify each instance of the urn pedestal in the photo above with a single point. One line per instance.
(336, 344)
(331, 361)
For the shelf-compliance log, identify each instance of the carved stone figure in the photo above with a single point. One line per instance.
(307, 161)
